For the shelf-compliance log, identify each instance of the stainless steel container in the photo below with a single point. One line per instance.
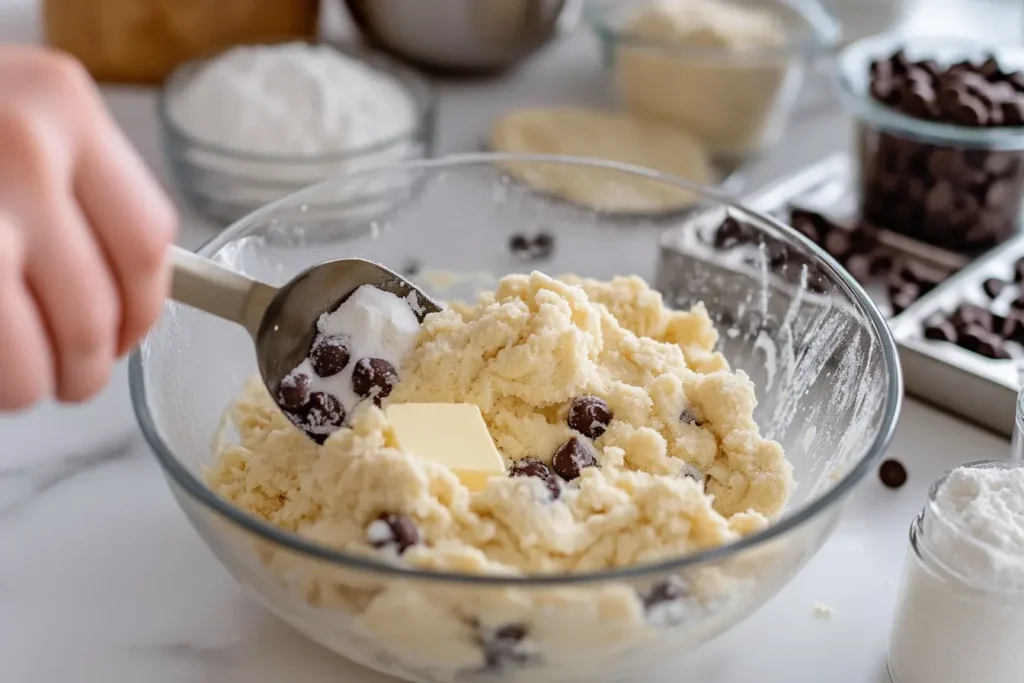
(463, 36)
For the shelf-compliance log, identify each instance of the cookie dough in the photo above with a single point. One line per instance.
(665, 460)
(716, 69)
(610, 137)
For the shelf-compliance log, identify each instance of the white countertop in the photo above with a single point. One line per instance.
(102, 579)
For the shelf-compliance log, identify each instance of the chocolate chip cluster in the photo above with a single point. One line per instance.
(978, 328)
(857, 248)
(319, 413)
(955, 197)
(590, 417)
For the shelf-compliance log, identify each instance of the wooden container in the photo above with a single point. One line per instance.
(141, 41)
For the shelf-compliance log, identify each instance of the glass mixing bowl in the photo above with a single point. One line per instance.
(818, 350)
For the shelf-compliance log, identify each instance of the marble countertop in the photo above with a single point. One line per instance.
(102, 579)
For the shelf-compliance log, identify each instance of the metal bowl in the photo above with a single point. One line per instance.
(463, 36)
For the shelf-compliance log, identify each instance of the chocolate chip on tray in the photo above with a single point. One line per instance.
(730, 234)
(993, 347)
(572, 457)
(329, 356)
(393, 530)
(892, 473)
(294, 391)
(960, 199)
(967, 315)
(589, 415)
(1018, 270)
(941, 330)
(532, 467)
(374, 378)
(993, 287)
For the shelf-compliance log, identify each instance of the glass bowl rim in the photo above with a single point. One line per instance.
(850, 79)
(293, 542)
(424, 105)
(824, 33)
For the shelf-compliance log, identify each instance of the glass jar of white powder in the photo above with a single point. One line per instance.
(960, 611)
(252, 124)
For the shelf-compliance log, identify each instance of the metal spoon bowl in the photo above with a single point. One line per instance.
(282, 321)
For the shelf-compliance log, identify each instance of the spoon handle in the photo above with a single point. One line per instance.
(201, 283)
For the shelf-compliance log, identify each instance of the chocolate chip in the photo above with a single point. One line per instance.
(688, 416)
(519, 245)
(992, 347)
(806, 227)
(904, 297)
(1018, 303)
(1018, 270)
(922, 275)
(730, 234)
(1013, 328)
(324, 413)
(837, 243)
(859, 266)
(972, 337)
(893, 474)
(411, 268)
(294, 391)
(504, 647)
(374, 378)
(940, 330)
(532, 467)
(589, 415)
(970, 314)
(329, 357)
(543, 245)
(396, 530)
(669, 590)
(572, 457)
(993, 287)
(990, 68)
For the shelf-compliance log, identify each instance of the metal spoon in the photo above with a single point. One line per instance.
(282, 321)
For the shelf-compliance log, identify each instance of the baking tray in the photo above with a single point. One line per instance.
(972, 386)
(951, 378)
(942, 374)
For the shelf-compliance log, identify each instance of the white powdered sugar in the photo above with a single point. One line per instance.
(370, 324)
(960, 614)
(292, 99)
(985, 542)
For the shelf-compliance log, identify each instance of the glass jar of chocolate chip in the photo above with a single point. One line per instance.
(940, 137)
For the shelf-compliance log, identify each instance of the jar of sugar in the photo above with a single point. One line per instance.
(960, 610)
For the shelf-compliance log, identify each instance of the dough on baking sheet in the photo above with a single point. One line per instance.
(608, 136)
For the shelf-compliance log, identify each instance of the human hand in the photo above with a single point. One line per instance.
(83, 233)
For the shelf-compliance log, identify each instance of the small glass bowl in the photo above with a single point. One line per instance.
(736, 101)
(225, 184)
(956, 187)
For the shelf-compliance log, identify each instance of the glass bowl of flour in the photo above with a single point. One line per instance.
(635, 561)
(250, 125)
